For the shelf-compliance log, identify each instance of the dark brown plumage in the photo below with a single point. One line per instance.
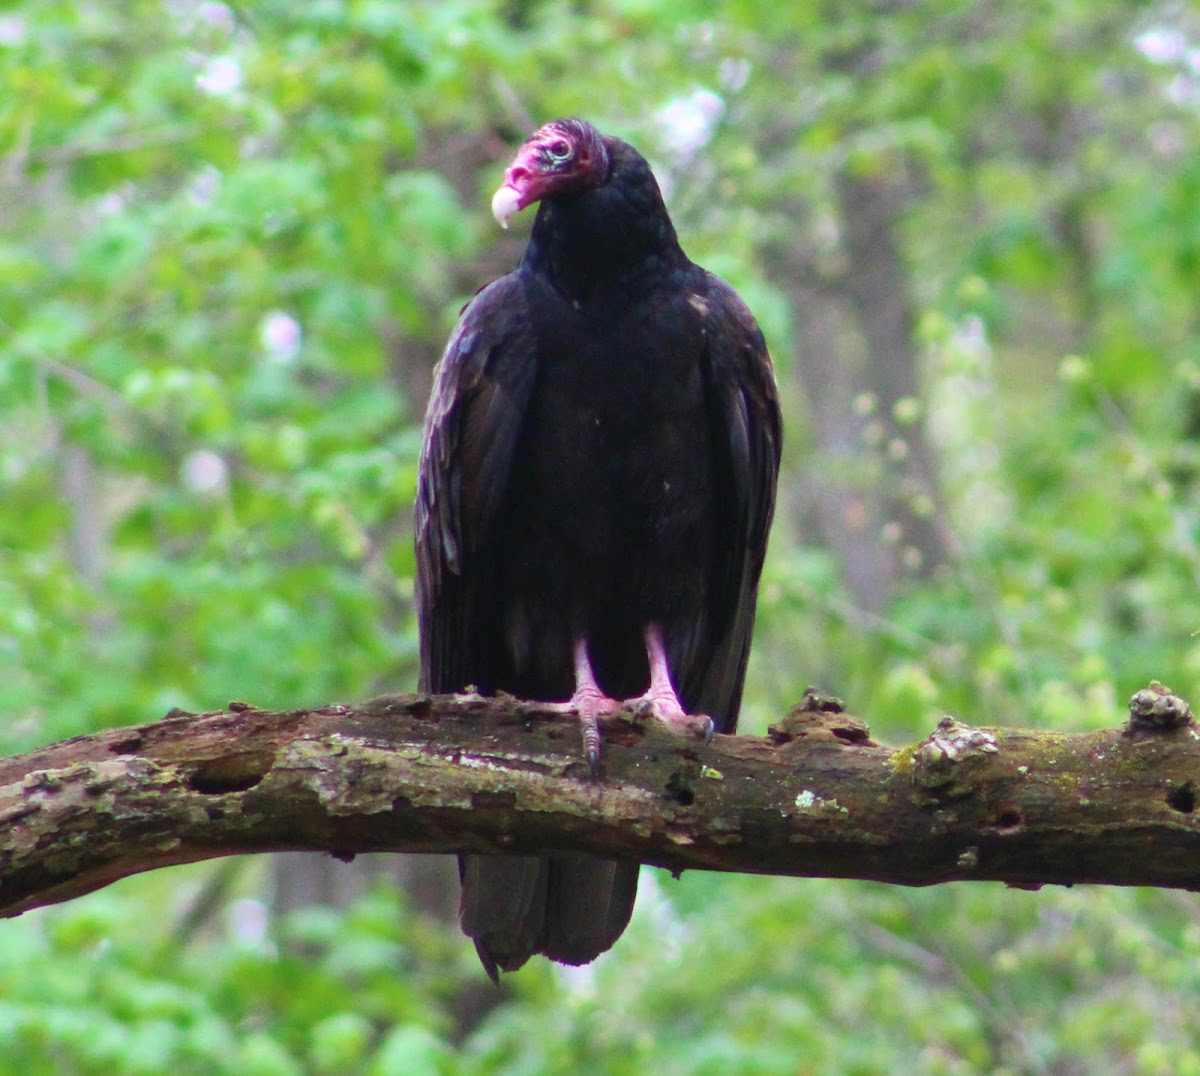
(596, 485)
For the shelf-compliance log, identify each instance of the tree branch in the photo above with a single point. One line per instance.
(461, 773)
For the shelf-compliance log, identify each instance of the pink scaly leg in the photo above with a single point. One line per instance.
(659, 701)
(660, 698)
(589, 701)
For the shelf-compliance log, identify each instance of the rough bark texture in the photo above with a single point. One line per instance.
(460, 773)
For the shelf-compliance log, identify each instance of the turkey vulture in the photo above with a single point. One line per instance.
(596, 485)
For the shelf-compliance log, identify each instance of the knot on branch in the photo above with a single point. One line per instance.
(821, 718)
(954, 742)
(1156, 709)
(940, 759)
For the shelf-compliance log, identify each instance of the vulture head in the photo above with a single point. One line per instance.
(563, 157)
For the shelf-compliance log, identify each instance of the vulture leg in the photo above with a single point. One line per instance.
(590, 702)
(660, 698)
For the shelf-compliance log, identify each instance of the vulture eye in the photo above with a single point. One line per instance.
(559, 151)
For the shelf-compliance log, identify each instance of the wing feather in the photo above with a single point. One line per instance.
(476, 411)
(746, 430)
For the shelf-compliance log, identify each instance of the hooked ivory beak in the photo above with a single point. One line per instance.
(505, 202)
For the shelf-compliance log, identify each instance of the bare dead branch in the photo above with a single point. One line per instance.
(461, 773)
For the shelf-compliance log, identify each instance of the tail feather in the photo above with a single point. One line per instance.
(588, 905)
(503, 908)
(572, 908)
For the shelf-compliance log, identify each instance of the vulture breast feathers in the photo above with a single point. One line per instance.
(596, 485)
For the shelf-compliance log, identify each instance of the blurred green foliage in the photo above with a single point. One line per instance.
(232, 241)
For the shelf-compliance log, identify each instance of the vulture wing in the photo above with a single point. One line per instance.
(746, 432)
(480, 395)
